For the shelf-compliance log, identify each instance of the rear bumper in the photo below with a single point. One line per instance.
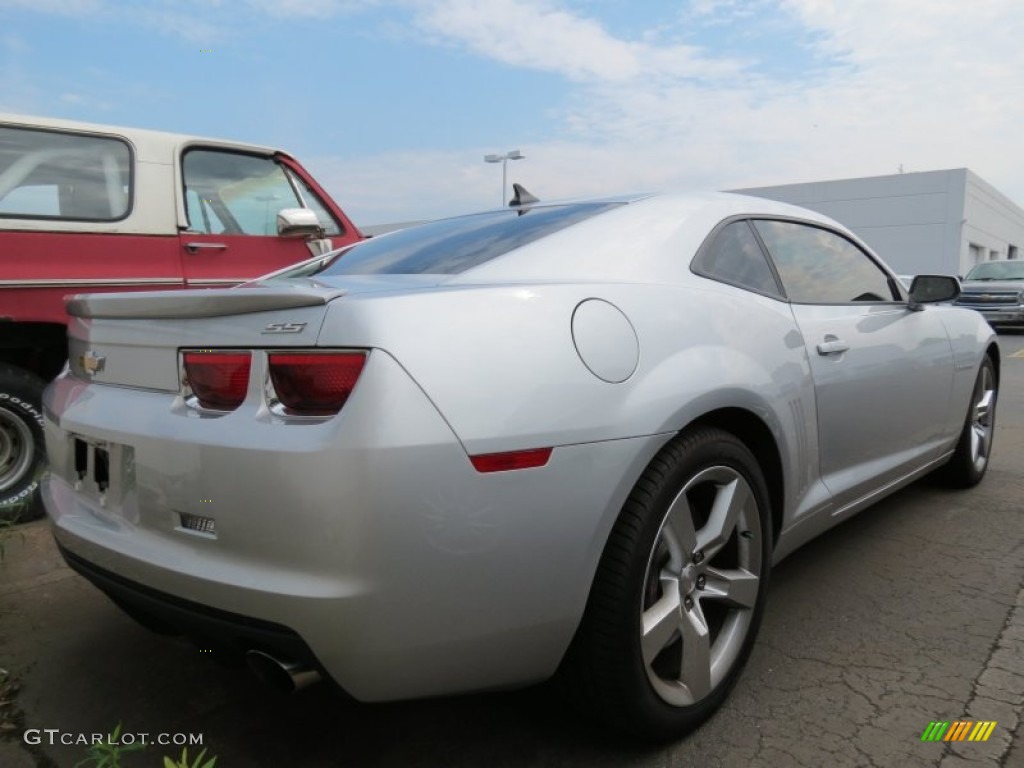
(367, 546)
(215, 631)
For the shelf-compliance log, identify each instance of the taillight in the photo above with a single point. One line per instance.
(314, 384)
(218, 380)
(505, 462)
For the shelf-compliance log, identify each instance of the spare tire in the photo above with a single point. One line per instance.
(22, 456)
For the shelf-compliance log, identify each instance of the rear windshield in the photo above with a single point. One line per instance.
(451, 246)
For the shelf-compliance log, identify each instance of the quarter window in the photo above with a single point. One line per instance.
(734, 256)
(55, 175)
(818, 266)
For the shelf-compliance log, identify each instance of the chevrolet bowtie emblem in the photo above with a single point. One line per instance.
(92, 363)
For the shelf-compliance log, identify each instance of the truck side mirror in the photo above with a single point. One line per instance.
(298, 222)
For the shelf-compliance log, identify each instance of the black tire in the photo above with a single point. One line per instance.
(971, 457)
(649, 583)
(22, 456)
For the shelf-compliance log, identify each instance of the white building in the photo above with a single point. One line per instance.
(932, 222)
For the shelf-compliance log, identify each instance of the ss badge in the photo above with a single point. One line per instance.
(285, 328)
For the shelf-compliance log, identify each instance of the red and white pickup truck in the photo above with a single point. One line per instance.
(100, 208)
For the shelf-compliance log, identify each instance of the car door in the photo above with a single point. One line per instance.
(882, 372)
(231, 201)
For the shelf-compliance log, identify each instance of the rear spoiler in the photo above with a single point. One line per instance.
(202, 302)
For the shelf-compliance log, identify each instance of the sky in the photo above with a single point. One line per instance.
(393, 104)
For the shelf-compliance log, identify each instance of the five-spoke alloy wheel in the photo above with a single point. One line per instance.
(680, 589)
(970, 459)
(702, 586)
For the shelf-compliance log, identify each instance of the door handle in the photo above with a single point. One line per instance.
(197, 247)
(832, 346)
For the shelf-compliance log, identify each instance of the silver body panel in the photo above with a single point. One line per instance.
(370, 534)
(894, 356)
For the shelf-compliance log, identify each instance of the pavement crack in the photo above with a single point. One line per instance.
(997, 688)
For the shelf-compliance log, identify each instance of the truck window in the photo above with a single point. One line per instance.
(332, 228)
(235, 193)
(55, 175)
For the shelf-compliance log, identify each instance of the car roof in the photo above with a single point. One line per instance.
(641, 240)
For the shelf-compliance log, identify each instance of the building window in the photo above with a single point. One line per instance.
(975, 254)
(1011, 252)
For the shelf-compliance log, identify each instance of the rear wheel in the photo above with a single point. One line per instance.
(21, 443)
(680, 589)
(970, 459)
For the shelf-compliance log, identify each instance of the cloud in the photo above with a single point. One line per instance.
(398, 186)
(532, 34)
(316, 9)
(182, 24)
(920, 84)
(717, 94)
(190, 19)
(194, 20)
(725, 9)
(19, 94)
(402, 186)
(62, 7)
(540, 35)
(929, 35)
(14, 46)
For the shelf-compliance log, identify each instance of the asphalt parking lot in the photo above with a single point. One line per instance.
(911, 612)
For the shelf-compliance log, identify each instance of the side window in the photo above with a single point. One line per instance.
(734, 256)
(820, 267)
(312, 201)
(55, 175)
(235, 193)
(201, 214)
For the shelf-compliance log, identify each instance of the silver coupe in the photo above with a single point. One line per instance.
(559, 438)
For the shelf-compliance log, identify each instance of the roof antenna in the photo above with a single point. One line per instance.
(521, 197)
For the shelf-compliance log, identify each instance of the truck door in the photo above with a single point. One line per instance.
(231, 201)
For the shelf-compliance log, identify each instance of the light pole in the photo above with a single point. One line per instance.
(514, 154)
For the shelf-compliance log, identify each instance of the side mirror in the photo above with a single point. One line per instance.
(929, 289)
(298, 222)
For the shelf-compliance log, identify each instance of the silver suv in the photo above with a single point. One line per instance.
(996, 290)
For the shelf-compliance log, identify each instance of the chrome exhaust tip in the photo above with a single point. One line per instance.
(283, 676)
